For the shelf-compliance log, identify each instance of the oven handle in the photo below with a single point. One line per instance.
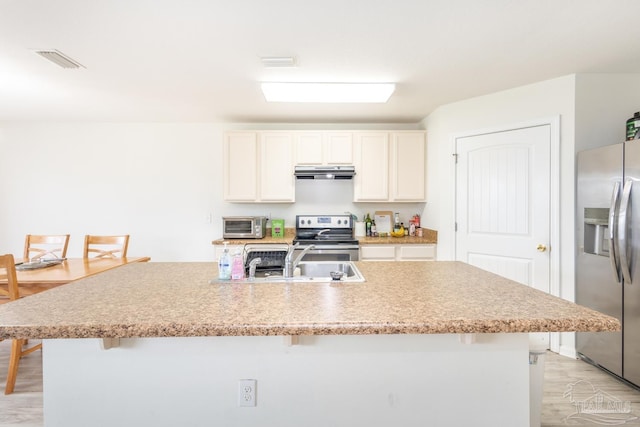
(352, 251)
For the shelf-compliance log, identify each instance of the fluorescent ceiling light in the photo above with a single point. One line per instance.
(328, 92)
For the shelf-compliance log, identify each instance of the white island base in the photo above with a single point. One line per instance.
(323, 381)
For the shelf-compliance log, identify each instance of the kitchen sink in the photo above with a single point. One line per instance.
(314, 271)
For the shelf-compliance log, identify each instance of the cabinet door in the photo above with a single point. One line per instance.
(417, 253)
(276, 167)
(339, 148)
(408, 166)
(309, 148)
(377, 253)
(240, 151)
(371, 161)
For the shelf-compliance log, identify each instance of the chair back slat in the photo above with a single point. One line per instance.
(106, 246)
(39, 246)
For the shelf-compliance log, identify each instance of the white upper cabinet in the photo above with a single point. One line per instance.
(390, 166)
(339, 148)
(240, 165)
(324, 148)
(258, 167)
(309, 148)
(408, 154)
(371, 161)
(277, 182)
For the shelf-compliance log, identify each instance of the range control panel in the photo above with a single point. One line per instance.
(323, 221)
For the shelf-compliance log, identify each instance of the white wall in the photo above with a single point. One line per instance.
(157, 182)
(541, 100)
(153, 181)
(604, 102)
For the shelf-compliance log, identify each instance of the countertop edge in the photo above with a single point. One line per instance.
(430, 237)
(178, 330)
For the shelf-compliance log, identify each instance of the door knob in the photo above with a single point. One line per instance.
(541, 248)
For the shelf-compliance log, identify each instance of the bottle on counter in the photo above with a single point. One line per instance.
(404, 229)
(367, 225)
(396, 223)
(412, 229)
(416, 220)
(237, 266)
(374, 228)
(224, 264)
(633, 127)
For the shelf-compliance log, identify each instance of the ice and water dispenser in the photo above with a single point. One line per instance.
(596, 231)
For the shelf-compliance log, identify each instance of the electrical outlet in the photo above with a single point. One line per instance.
(247, 392)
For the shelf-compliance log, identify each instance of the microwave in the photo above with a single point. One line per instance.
(244, 227)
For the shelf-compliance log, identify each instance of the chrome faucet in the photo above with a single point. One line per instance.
(252, 267)
(289, 263)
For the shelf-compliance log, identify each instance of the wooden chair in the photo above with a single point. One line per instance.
(109, 246)
(19, 347)
(45, 246)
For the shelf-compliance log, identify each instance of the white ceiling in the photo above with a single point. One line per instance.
(199, 60)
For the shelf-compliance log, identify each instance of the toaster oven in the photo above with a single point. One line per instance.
(244, 227)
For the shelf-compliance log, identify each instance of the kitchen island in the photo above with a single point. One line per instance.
(439, 343)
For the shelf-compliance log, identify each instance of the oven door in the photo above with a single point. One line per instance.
(330, 253)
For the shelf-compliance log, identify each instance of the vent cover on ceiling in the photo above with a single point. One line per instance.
(278, 61)
(59, 58)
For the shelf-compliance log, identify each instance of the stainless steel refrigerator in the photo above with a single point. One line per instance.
(607, 276)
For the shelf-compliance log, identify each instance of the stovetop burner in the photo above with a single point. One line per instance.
(324, 230)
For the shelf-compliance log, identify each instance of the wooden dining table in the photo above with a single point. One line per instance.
(72, 269)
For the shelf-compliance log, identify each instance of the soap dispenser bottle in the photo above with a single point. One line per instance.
(224, 264)
(237, 266)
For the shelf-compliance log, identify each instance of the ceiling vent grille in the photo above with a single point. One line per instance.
(278, 61)
(59, 58)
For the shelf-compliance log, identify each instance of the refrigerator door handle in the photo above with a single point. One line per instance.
(613, 232)
(622, 231)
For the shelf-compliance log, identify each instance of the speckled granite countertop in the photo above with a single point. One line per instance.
(289, 235)
(429, 237)
(176, 299)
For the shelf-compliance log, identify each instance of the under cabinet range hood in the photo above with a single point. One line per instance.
(324, 172)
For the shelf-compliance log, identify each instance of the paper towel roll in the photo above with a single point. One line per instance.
(360, 229)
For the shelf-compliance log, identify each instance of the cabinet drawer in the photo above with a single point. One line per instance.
(417, 252)
(378, 252)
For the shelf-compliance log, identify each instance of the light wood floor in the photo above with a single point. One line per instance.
(24, 407)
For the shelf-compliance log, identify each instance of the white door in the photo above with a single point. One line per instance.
(503, 207)
(503, 203)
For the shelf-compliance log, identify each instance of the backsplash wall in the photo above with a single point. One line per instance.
(321, 197)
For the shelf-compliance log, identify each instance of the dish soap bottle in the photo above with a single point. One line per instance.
(224, 264)
(237, 266)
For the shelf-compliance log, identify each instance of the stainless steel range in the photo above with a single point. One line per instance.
(331, 235)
